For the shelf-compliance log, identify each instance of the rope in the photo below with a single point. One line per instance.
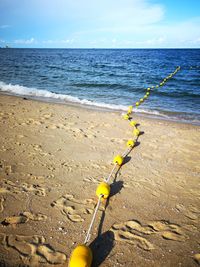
(134, 124)
(126, 152)
(110, 175)
(87, 238)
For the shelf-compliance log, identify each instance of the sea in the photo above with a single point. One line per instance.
(110, 79)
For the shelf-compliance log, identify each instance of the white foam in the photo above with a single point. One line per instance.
(36, 93)
(33, 92)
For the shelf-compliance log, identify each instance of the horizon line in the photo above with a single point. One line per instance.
(103, 48)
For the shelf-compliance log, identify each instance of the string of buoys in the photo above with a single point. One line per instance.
(81, 256)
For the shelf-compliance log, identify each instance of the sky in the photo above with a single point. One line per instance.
(100, 23)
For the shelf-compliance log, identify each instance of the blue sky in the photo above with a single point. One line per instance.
(100, 23)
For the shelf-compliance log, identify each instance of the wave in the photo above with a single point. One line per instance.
(37, 93)
(24, 91)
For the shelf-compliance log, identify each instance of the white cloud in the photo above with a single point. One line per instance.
(62, 41)
(67, 41)
(179, 34)
(87, 23)
(94, 13)
(152, 42)
(25, 42)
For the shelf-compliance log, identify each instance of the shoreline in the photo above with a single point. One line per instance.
(52, 158)
(102, 109)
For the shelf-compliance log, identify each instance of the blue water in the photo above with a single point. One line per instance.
(112, 78)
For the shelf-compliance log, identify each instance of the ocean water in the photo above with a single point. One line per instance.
(107, 78)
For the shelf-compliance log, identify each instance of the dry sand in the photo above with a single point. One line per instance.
(52, 158)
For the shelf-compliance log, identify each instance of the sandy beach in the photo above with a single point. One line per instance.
(53, 156)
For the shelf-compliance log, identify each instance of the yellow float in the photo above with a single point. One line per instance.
(81, 257)
(133, 123)
(126, 116)
(136, 132)
(130, 109)
(118, 160)
(137, 104)
(130, 143)
(103, 190)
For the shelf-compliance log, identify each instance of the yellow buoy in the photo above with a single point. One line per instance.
(118, 160)
(137, 104)
(148, 89)
(126, 116)
(130, 109)
(136, 132)
(157, 86)
(152, 87)
(130, 143)
(103, 189)
(81, 257)
(141, 100)
(145, 97)
(133, 123)
(147, 93)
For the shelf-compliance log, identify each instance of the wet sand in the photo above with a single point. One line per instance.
(53, 156)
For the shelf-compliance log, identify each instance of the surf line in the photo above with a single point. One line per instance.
(81, 256)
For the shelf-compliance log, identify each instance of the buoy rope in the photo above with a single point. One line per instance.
(87, 238)
(110, 175)
(127, 151)
(103, 190)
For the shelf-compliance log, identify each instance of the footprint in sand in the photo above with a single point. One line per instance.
(38, 149)
(67, 166)
(82, 133)
(191, 212)
(35, 188)
(99, 166)
(91, 180)
(7, 169)
(47, 116)
(74, 209)
(131, 232)
(1, 204)
(15, 220)
(8, 187)
(23, 218)
(30, 121)
(168, 231)
(32, 249)
(52, 127)
(117, 140)
(57, 126)
(135, 233)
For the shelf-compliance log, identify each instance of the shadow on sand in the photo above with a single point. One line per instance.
(102, 245)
